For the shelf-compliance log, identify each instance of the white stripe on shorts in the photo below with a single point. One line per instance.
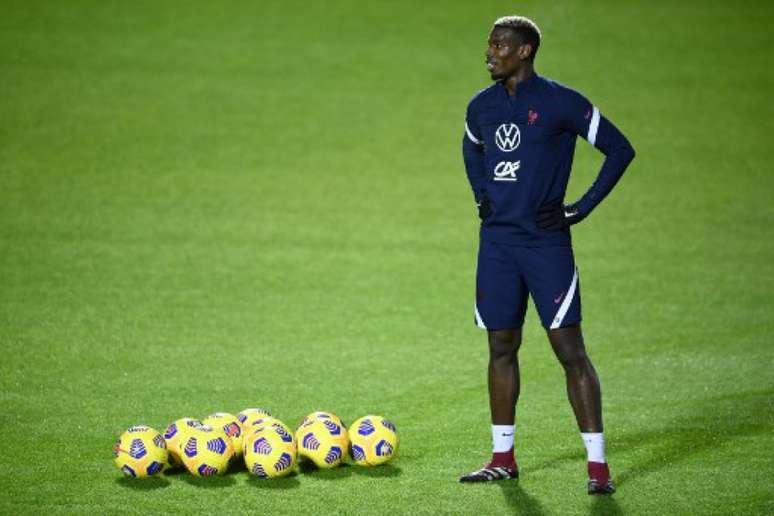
(559, 317)
(479, 320)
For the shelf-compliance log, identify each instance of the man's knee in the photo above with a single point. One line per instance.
(503, 344)
(569, 348)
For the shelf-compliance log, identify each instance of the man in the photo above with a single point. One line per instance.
(518, 149)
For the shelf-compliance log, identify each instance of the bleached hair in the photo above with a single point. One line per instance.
(526, 29)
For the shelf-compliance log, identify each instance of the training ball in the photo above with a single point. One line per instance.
(174, 433)
(206, 451)
(141, 452)
(230, 424)
(270, 450)
(373, 440)
(322, 415)
(322, 441)
(250, 418)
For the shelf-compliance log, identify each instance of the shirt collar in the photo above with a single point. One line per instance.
(523, 87)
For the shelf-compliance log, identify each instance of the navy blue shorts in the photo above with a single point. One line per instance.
(507, 274)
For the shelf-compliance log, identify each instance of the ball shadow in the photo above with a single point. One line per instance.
(175, 472)
(289, 482)
(215, 482)
(382, 471)
(143, 484)
(309, 468)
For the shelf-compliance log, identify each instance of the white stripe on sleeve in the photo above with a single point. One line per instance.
(559, 317)
(470, 135)
(593, 127)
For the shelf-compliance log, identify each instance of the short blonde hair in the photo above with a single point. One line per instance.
(526, 29)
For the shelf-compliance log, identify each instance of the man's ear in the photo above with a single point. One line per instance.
(524, 51)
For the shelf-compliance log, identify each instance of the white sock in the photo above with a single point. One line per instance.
(502, 437)
(595, 446)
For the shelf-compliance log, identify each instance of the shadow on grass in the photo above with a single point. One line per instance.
(143, 484)
(289, 482)
(383, 471)
(309, 469)
(238, 466)
(214, 482)
(604, 506)
(519, 500)
(175, 472)
(706, 424)
(709, 424)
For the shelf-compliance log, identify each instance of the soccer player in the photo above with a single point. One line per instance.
(518, 149)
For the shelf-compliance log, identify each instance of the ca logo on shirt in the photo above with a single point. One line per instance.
(508, 137)
(506, 170)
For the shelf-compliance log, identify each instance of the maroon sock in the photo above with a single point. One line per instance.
(503, 460)
(599, 471)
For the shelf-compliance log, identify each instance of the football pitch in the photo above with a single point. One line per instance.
(208, 206)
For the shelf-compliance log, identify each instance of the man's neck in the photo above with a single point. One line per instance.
(512, 82)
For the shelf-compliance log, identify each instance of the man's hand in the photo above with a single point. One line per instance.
(484, 208)
(557, 216)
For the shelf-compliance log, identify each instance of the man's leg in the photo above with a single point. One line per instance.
(585, 397)
(503, 395)
(504, 382)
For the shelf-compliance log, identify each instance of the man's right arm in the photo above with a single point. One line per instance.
(473, 155)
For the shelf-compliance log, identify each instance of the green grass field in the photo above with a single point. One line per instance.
(209, 206)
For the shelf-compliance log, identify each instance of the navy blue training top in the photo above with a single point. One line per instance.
(518, 152)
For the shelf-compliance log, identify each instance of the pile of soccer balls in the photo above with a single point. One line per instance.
(268, 447)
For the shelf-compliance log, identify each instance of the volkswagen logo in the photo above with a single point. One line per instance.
(508, 137)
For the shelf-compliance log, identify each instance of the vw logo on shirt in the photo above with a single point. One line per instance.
(507, 137)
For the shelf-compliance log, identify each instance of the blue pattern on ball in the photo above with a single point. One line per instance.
(366, 427)
(259, 471)
(332, 427)
(190, 447)
(262, 446)
(389, 425)
(171, 431)
(207, 471)
(159, 441)
(383, 448)
(128, 471)
(137, 449)
(333, 455)
(357, 453)
(310, 442)
(154, 467)
(217, 445)
(283, 462)
(282, 433)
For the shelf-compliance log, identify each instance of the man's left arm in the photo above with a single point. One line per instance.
(584, 119)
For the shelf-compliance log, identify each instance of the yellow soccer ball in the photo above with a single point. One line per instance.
(250, 418)
(373, 440)
(322, 415)
(141, 452)
(230, 424)
(270, 450)
(174, 433)
(206, 451)
(323, 441)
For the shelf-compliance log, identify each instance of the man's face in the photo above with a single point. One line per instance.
(502, 56)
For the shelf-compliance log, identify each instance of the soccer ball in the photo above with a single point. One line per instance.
(174, 433)
(323, 441)
(322, 415)
(270, 450)
(206, 451)
(374, 440)
(251, 418)
(140, 452)
(230, 424)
